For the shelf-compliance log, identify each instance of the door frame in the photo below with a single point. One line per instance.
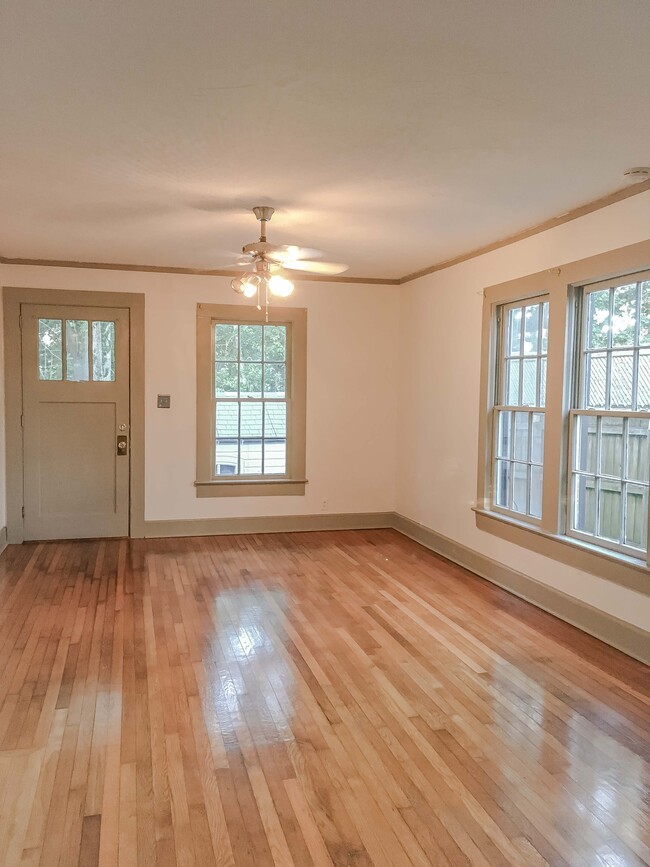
(12, 298)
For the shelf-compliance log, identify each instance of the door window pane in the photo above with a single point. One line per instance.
(50, 349)
(76, 350)
(103, 351)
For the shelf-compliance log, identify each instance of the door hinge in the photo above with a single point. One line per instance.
(20, 321)
(23, 511)
(21, 420)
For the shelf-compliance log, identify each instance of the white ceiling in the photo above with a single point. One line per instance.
(390, 134)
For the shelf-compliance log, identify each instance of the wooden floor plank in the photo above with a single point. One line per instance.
(339, 699)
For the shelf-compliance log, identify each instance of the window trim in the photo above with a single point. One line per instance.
(563, 285)
(291, 483)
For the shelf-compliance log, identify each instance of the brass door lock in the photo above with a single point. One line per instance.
(122, 445)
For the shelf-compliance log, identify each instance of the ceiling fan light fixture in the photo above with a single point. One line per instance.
(280, 286)
(237, 285)
(249, 287)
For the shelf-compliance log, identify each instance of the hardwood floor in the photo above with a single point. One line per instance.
(316, 698)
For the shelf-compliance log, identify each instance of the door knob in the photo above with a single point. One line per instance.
(122, 445)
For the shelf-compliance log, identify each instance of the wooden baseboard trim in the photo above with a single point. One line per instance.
(629, 639)
(269, 524)
(3, 539)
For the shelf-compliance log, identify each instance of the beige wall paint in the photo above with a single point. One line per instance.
(440, 328)
(351, 399)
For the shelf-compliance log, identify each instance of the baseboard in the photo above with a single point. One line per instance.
(617, 633)
(269, 524)
(3, 539)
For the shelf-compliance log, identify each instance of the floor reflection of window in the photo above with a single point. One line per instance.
(249, 681)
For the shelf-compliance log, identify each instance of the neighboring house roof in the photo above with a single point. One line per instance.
(275, 419)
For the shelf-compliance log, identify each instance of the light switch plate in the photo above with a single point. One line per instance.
(164, 401)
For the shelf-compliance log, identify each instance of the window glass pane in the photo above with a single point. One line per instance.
(643, 385)
(542, 382)
(521, 436)
(227, 420)
(544, 347)
(251, 420)
(227, 444)
(250, 457)
(596, 380)
(503, 434)
(103, 351)
(638, 451)
(502, 483)
(225, 376)
(226, 342)
(536, 491)
(50, 359)
(584, 504)
(512, 382)
(274, 385)
(275, 456)
(584, 450)
(531, 330)
(520, 488)
(529, 386)
(636, 516)
(250, 342)
(598, 322)
(644, 324)
(514, 331)
(275, 420)
(537, 438)
(611, 446)
(76, 350)
(610, 510)
(275, 341)
(624, 318)
(250, 380)
(621, 386)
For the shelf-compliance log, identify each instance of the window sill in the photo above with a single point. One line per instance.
(251, 488)
(619, 568)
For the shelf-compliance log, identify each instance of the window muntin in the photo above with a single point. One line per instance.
(610, 425)
(251, 366)
(519, 407)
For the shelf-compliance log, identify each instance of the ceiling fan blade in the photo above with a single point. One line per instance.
(309, 267)
(292, 253)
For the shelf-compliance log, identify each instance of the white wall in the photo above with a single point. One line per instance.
(351, 390)
(440, 333)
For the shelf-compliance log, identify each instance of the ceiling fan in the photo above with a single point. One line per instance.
(265, 263)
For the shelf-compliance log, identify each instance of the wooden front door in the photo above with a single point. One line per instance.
(75, 369)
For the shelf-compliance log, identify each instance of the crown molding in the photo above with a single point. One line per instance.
(567, 217)
(169, 269)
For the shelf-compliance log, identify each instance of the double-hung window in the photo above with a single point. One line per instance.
(564, 428)
(519, 411)
(251, 401)
(608, 493)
